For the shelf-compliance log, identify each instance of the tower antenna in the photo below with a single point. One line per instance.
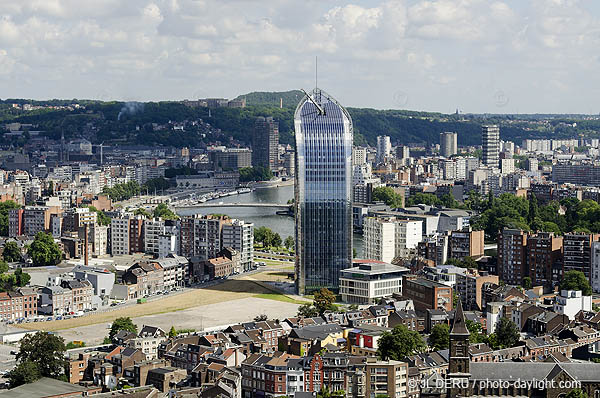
(316, 70)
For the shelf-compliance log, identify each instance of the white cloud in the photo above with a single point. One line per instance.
(438, 52)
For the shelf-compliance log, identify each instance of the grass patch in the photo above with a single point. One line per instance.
(279, 297)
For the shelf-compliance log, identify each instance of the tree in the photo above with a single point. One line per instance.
(260, 318)
(289, 243)
(324, 300)
(475, 332)
(507, 333)
(142, 212)
(400, 343)
(124, 323)
(307, 311)
(163, 211)
(46, 350)
(326, 393)
(44, 251)
(24, 373)
(388, 196)
(103, 219)
(11, 252)
(439, 339)
(21, 278)
(577, 393)
(533, 209)
(5, 207)
(258, 173)
(576, 280)
(172, 332)
(527, 284)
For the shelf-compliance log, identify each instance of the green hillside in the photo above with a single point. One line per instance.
(290, 98)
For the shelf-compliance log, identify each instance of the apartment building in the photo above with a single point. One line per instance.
(427, 294)
(136, 235)
(577, 252)
(82, 292)
(466, 243)
(386, 378)
(544, 253)
(153, 228)
(469, 288)
(380, 239)
(201, 236)
(16, 222)
(387, 238)
(512, 256)
(239, 235)
(119, 236)
(19, 304)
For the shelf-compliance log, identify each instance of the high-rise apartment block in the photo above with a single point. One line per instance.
(448, 144)
(384, 148)
(265, 143)
(512, 256)
(490, 141)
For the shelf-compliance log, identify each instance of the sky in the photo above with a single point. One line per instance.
(538, 56)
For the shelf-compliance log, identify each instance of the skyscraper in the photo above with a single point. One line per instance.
(384, 147)
(265, 143)
(448, 144)
(323, 192)
(490, 141)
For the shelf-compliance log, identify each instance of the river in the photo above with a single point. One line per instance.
(283, 225)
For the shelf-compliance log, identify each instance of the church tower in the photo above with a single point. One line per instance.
(458, 367)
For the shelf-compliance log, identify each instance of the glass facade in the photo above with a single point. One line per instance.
(323, 192)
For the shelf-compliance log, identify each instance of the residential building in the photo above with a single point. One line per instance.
(466, 243)
(265, 143)
(448, 144)
(380, 239)
(19, 304)
(512, 256)
(223, 158)
(570, 302)
(577, 252)
(490, 141)
(469, 288)
(102, 279)
(323, 193)
(595, 271)
(544, 253)
(148, 341)
(55, 300)
(16, 222)
(389, 378)
(239, 235)
(384, 148)
(427, 294)
(148, 277)
(153, 228)
(370, 280)
(82, 292)
(119, 236)
(201, 236)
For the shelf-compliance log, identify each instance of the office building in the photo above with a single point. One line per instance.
(223, 158)
(490, 141)
(384, 147)
(448, 144)
(323, 192)
(370, 280)
(265, 143)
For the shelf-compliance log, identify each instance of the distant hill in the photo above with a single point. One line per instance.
(290, 98)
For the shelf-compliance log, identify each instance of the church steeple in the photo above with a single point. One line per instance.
(459, 326)
(459, 361)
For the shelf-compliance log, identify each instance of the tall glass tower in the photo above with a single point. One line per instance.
(323, 192)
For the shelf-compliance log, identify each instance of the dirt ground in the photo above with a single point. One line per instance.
(230, 290)
(205, 317)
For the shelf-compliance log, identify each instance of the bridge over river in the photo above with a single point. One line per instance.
(276, 206)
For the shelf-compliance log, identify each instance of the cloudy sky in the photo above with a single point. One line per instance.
(475, 55)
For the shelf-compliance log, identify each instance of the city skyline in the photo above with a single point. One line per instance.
(500, 57)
